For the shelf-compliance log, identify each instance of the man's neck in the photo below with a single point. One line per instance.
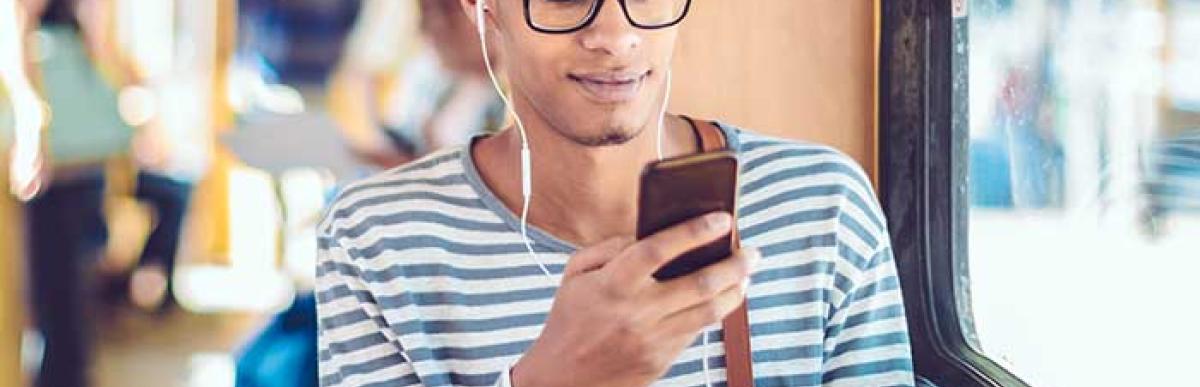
(582, 194)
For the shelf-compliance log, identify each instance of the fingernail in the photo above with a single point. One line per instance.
(718, 221)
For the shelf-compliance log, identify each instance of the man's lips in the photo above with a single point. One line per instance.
(611, 87)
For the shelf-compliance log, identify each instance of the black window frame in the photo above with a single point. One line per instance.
(923, 155)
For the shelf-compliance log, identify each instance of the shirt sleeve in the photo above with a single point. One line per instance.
(867, 341)
(355, 345)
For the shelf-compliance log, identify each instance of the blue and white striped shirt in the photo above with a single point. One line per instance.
(424, 279)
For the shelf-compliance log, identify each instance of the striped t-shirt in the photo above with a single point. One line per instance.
(424, 278)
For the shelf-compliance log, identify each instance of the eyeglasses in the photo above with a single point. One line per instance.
(566, 16)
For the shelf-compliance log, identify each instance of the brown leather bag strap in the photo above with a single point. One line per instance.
(736, 327)
(711, 137)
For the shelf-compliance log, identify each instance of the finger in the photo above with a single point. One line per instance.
(636, 264)
(693, 319)
(706, 284)
(596, 256)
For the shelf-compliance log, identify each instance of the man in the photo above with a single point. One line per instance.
(424, 278)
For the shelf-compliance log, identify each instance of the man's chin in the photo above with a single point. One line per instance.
(610, 137)
(601, 127)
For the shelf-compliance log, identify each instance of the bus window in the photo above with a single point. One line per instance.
(1083, 184)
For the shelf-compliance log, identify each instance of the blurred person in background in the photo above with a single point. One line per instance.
(443, 98)
(293, 42)
(442, 95)
(22, 116)
(95, 103)
(65, 219)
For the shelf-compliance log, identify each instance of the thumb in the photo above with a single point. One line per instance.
(596, 256)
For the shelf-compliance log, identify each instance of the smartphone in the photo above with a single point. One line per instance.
(679, 189)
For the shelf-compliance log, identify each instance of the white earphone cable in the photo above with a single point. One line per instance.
(526, 157)
(662, 115)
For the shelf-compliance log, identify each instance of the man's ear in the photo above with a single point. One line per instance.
(469, 8)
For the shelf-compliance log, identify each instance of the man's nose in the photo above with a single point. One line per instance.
(611, 32)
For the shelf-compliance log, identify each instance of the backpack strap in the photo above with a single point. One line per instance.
(736, 326)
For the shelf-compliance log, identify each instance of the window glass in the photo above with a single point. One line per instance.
(1084, 189)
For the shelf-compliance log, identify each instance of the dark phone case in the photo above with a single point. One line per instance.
(679, 189)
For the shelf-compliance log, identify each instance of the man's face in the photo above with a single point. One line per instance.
(597, 86)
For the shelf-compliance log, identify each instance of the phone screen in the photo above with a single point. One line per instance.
(679, 189)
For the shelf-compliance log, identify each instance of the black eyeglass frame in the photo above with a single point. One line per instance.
(597, 5)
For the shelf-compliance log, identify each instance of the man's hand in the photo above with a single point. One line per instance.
(613, 324)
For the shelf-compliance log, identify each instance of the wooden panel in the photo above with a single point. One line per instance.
(791, 68)
(11, 270)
